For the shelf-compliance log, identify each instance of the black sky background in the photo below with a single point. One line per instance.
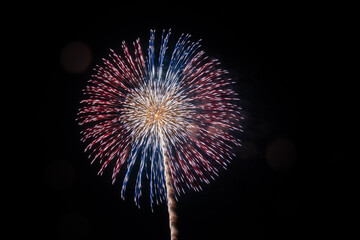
(263, 46)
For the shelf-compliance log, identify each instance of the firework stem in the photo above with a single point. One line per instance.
(169, 192)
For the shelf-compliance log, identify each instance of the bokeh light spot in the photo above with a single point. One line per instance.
(73, 226)
(59, 175)
(75, 57)
(281, 154)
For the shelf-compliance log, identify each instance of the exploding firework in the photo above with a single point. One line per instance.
(175, 119)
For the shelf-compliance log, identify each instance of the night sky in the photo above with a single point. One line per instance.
(268, 191)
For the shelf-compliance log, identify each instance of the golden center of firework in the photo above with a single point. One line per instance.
(155, 113)
(152, 110)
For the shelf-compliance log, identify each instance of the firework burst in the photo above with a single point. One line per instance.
(177, 118)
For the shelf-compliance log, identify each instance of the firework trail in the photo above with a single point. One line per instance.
(176, 117)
